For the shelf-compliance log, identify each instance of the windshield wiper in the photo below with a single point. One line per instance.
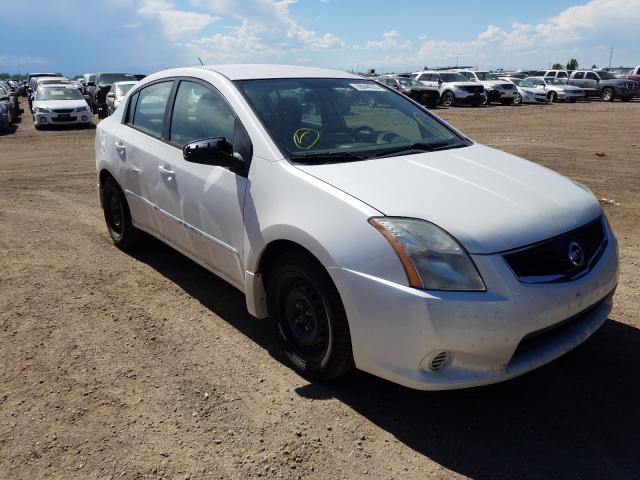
(327, 157)
(416, 148)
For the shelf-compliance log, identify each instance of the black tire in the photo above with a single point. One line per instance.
(447, 99)
(310, 317)
(552, 97)
(118, 217)
(607, 94)
(517, 99)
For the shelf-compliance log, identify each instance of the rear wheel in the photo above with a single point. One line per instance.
(309, 316)
(447, 99)
(607, 94)
(118, 217)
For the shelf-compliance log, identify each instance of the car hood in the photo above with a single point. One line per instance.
(60, 104)
(489, 200)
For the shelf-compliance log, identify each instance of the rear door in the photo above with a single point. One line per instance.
(591, 81)
(202, 205)
(137, 142)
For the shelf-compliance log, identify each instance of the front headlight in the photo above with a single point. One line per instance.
(432, 259)
(42, 110)
(82, 109)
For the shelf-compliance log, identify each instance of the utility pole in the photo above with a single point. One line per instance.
(611, 55)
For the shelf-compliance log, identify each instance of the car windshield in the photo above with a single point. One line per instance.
(326, 119)
(122, 89)
(109, 78)
(409, 82)
(555, 81)
(58, 93)
(607, 76)
(487, 76)
(454, 77)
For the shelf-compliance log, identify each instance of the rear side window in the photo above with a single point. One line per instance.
(578, 75)
(592, 76)
(562, 75)
(150, 107)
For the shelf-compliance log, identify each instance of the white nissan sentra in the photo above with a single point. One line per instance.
(375, 235)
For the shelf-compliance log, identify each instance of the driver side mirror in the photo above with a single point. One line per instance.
(214, 151)
(111, 95)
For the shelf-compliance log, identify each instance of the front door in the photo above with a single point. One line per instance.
(201, 205)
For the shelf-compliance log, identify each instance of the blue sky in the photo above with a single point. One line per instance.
(142, 36)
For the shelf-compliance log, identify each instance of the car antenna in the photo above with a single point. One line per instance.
(200, 60)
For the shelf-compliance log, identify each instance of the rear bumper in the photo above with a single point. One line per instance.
(396, 330)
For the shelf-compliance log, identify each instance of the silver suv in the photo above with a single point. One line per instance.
(455, 89)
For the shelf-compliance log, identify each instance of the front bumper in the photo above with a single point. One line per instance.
(71, 118)
(396, 330)
(462, 97)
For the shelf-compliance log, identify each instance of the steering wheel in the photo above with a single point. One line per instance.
(363, 130)
(387, 137)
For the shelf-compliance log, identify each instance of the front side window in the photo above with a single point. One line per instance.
(200, 112)
(562, 75)
(150, 108)
(578, 75)
(592, 76)
(341, 117)
(456, 77)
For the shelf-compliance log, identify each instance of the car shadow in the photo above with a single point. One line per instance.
(8, 130)
(575, 418)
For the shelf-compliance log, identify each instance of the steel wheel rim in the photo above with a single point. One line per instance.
(305, 319)
(115, 214)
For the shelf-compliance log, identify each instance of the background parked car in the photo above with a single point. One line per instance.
(634, 74)
(556, 89)
(552, 73)
(496, 90)
(99, 88)
(528, 92)
(604, 85)
(425, 95)
(6, 117)
(37, 82)
(60, 103)
(455, 89)
(117, 94)
(13, 98)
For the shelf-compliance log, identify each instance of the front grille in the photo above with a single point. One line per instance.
(508, 86)
(549, 261)
(473, 88)
(63, 110)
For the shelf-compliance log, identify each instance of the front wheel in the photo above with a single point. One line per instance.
(607, 94)
(517, 99)
(310, 317)
(447, 99)
(553, 97)
(118, 217)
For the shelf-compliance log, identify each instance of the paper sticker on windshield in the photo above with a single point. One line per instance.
(367, 87)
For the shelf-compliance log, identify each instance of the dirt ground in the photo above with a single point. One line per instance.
(146, 366)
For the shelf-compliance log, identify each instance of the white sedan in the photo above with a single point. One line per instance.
(556, 89)
(59, 104)
(374, 234)
(528, 92)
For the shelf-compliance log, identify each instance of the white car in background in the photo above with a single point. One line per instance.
(527, 92)
(455, 89)
(556, 89)
(117, 93)
(59, 104)
(374, 234)
(497, 90)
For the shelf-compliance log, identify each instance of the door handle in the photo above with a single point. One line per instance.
(166, 172)
(120, 148)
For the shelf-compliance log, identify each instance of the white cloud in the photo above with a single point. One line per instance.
(390, 40)
(175, 23)
(266, 28)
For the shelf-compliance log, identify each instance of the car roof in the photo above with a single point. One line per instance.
(53, 85)
(263, 71)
